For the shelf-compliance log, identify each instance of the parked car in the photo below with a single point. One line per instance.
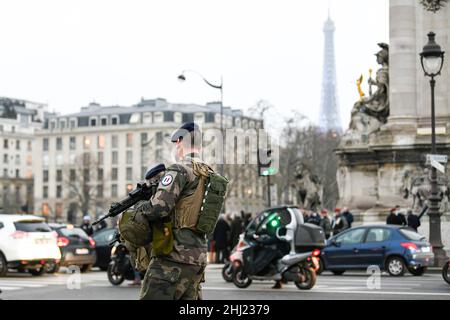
(103, 239)
(77, 248)
(395, 249)
(27, 243)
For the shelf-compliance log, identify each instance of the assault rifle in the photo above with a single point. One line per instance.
(143, 191)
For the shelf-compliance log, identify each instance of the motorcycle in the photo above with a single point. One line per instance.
(446, 272)
(236, 254)
(120, 268)
(278, 246)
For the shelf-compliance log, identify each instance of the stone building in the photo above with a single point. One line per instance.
(19, 121)
(94, 157)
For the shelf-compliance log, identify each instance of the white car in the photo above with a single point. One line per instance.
(27, 243)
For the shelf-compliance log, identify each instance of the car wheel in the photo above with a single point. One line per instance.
(338, 272)
(86, 268)
(240, 278)
(37, 272)
(418, 271)
(3, 266)
(396, 266)
(52, 268)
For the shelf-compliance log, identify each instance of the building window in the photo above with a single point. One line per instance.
(86, 159)
(59, 175)
(114, 190)
(62, 125)
(129, 140)
(147, 117)
(59, 144)
(73, 175)
(129, 174)
(93, 122)
(45, 175)
(101, 141)
(72, 124)
(45, 144)
(159, 117)
(188, 117)
(114, 141)
(104, 121)
(29, 146)
(115, 157)
(17, 159)
(87, 142)
(17, 144)
(5, 158)
(100, 158)
(5, 144)
(72, 143)
(114, 174)
(168, 116)
(45, 192)
(17, 173)
(129, 157)
(114, 120)
(59, 192)
(5, 173)
(52, 125)
(144, 137)
(86, 175)
(100, 174)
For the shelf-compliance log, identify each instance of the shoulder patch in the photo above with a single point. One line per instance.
(166, 180)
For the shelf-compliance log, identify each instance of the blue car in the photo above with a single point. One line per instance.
(395, 249)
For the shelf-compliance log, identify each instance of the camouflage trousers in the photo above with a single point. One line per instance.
(168, 280)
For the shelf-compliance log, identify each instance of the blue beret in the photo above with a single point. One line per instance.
(183, 130)
(154, 171)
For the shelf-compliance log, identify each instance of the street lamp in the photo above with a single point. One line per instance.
(432, 60)
(182, 78)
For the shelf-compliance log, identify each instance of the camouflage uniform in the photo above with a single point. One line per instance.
(178, 274)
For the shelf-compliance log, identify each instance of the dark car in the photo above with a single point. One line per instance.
(102, 239)
(391, 248)
(77, 248)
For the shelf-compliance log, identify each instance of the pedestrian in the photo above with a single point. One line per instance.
(86, 226)
(413, 220)
(339, 222)
(236, 228)
(392, 217)
(178, 262)
(221, 238)
(314, 218)
(325, 223)
(348, 216)
(401, 218)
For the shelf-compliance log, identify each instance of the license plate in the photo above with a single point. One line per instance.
(426, 249)
(82, 251)
(42, 241)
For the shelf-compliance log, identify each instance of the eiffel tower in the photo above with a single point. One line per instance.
(329, 119)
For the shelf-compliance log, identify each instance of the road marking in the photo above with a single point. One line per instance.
(3, 288)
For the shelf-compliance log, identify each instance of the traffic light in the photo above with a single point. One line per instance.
(265, 165)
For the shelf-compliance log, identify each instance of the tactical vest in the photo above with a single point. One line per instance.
(200, 210)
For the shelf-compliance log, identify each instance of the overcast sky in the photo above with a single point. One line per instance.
(69, 53)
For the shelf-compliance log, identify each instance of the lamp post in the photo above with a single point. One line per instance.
(432, 60)
(182, 77)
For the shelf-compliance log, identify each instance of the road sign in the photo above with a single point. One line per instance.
(437, 157)
(438, 166)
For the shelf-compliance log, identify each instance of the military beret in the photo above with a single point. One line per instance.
(183, 130)
(154, 171)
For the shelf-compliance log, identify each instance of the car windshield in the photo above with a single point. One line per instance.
(412, 235)
(32, 226)
(74, 232)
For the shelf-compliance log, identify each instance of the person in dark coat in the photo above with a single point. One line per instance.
(413, 220)
(339, 222)
(348, 216)
(314, 218)
(221, 238)
(325, 223)
(236, 228)
(86, 226)
(401, 219)
(392, 217)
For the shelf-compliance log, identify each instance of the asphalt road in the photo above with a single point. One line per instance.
(350, 286)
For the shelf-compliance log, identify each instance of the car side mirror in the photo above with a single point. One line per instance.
(335, 243)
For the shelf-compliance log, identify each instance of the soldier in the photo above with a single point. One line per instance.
(177, 268)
